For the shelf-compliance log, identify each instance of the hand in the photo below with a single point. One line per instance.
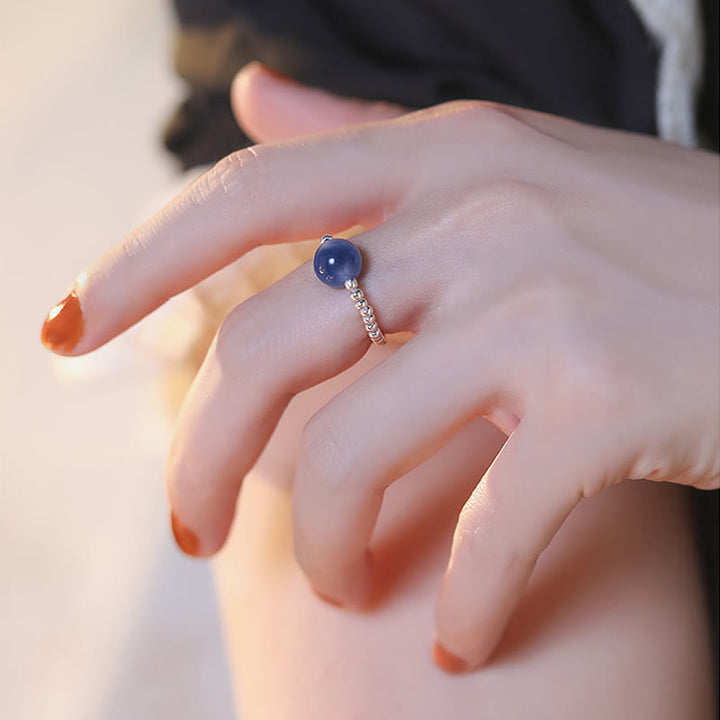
(560, 280)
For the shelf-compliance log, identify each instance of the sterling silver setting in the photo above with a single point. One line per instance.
(356, 294)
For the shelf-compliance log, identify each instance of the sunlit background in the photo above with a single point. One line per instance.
(100, 616)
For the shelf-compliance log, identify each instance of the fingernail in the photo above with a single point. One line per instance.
(327, 598)
(277, 74)
(64, 325)
(448, 662)
(185, 538)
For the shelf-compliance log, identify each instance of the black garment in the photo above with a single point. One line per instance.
(708, 107)
(590, 60)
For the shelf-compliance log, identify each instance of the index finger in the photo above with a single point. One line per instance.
(260, 195)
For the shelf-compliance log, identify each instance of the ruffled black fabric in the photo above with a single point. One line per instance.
(590, 60)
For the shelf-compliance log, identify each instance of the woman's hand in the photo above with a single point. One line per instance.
(560, 280)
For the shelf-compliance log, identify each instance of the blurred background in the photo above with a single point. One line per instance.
(100, 615)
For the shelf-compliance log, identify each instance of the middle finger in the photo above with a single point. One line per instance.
(375, 431)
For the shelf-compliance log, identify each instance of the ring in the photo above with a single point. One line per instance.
(338, 263)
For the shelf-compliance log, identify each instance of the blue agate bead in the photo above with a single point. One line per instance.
(336, 261)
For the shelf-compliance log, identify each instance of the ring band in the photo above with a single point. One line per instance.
(366, 311)
(338, 263)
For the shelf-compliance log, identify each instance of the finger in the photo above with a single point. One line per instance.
(378, 429)
(271, 107)
(525, 496)
(261, 195)
(291, 336)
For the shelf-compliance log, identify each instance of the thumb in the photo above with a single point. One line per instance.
(270, 107)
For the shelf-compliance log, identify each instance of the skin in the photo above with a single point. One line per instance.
(611, 625)
(559, 280)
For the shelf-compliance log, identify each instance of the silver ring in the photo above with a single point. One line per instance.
(339, 265)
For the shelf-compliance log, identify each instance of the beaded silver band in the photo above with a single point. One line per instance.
(366, 311)
(345, 260)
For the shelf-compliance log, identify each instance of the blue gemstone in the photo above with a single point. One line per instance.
(336, 261)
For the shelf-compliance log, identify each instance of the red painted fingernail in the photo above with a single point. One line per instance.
(327, 598)
(277, 74)
(185, 538)
(64, 325)
(448, 662)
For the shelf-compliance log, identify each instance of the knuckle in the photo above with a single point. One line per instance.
(506, 211)
(479, 114)
(517, 218)
(492, 115)
(451, 131)
(325, 453)
(243, 339)
(503, 210)
(517, 221)
(498, 556)
(236, 175)
(514, 204)
(496, 124)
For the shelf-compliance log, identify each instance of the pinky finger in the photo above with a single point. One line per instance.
(511, 517)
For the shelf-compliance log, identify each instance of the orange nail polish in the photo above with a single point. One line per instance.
(185, 538)
(449, 662)
(328, 599)
(64, 325)
(277, 74)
